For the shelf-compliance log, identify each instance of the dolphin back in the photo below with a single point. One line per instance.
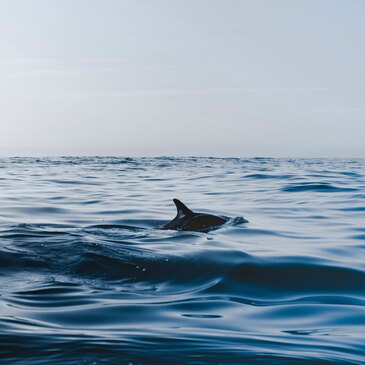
(202, 222)
(187, 220)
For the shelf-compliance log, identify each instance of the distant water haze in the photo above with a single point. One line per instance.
(208, 77)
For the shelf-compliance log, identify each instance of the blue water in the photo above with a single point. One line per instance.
(87, 277)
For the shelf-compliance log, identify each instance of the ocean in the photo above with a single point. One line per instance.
(87, 277)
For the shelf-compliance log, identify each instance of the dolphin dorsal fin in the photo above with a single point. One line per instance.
(182, 209)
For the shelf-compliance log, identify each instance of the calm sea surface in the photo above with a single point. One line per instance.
(87, 277)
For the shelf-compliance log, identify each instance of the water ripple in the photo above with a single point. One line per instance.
(88, 277)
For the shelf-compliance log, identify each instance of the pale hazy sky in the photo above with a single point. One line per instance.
(182, 77)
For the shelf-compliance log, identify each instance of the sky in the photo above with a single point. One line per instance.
(238, 78)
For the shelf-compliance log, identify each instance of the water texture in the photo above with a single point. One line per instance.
(87, 277)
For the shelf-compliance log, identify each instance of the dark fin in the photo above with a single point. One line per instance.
(182, 209)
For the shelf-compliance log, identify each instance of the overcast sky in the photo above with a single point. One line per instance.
(182, 77)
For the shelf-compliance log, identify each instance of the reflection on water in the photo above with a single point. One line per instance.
(87, 276)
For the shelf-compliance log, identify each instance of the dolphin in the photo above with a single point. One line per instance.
(187, 220)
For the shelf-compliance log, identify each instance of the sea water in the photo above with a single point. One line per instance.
(87, 276)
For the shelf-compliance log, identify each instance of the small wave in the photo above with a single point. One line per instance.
(269, 176)
(316, 187)
(75, 182)
(112, 226)
(353, 209)
(41, 210)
